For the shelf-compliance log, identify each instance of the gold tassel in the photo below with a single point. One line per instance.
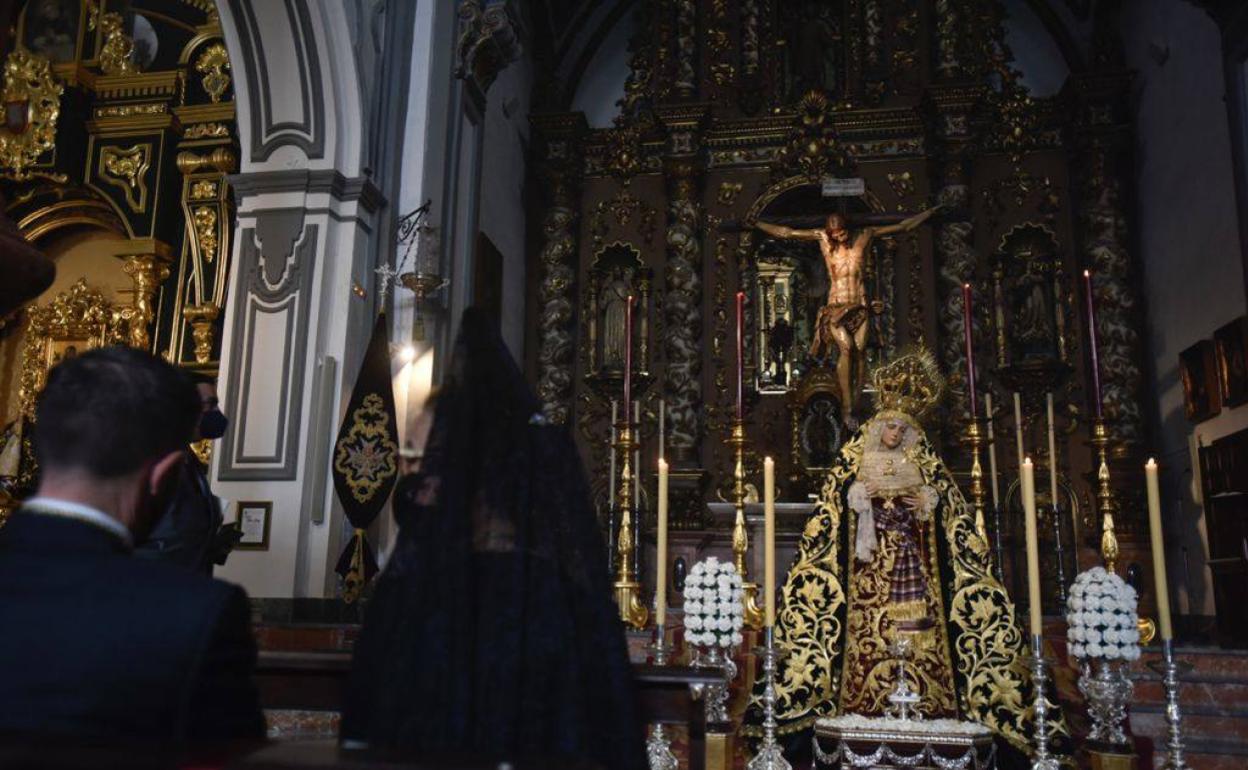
(912, 610)
(353, 583)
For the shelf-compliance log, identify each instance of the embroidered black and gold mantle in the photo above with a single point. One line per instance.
(991, 682)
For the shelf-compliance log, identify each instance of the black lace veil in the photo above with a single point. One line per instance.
(492, 628)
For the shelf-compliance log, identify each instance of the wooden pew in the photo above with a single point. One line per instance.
(316, 681)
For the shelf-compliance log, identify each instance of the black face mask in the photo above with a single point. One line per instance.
(212, 424)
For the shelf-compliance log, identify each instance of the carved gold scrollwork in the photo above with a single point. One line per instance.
(204, 189)
(205, 219)
(207, 130)
(127, 169)
(117, 53)
(32, 100)
(201, 319)
(213, 64)
(148, 271)
(75, 321)
(813, 148)
(206, 208)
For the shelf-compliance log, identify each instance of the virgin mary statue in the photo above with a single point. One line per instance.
(892, 553)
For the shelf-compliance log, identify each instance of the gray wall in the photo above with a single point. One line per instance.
(1189, 247)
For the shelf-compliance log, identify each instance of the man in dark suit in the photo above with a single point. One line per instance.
(94, 643)
(189, 532)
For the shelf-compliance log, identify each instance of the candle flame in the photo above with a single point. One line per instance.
(1027, 461)
(966, 286)
(1087, 274)
(1151, 462)
(662, 464)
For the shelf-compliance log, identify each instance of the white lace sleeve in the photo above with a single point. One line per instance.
(928, 499)
(860, 502)
(859, 499)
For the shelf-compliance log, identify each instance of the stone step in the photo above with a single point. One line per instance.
(1202, 693)
(1213, 698)
(1151, 721)
(306, 637)
(1206, 663)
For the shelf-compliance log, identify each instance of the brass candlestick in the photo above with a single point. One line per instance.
(740, 537)
(627, 589)
(974, 438)
(1104, 495)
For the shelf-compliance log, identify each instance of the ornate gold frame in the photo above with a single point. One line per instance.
(28, 78)
(77, 319)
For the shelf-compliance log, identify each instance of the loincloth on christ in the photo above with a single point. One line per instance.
(849, 316)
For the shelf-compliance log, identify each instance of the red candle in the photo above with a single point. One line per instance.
(740, 354)
(628, 356)
(970, 348)
(1096, 360)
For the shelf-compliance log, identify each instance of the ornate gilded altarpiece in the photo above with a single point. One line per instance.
(119, 117)
(771, 109)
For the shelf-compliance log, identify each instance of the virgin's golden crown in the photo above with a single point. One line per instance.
(909, 385)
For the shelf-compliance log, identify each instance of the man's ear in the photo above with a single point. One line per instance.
(164, 470)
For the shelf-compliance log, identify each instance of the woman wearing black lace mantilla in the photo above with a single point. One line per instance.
(492, 630)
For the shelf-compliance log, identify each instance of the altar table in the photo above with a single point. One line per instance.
(880, 743)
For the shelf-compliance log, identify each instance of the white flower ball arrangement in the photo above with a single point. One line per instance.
(1101, 617)
(714, 613)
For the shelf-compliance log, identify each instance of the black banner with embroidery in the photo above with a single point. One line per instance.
(366, 457)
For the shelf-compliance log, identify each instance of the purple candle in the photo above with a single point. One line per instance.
(970, 348)
(740, 354)
(628, 356)
(1096, 360)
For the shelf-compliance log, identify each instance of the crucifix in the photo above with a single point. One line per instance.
(842, 323)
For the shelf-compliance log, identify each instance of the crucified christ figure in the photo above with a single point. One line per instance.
(842, 322)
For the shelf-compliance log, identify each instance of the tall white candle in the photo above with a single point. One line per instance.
(1033, 546)
(1052, 452)
(660, 580)
(1159, 551)
(662, 426)
(1018, 426)
(992, 453)
(769, 540)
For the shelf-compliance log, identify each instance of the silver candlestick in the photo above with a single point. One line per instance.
(769, 756)
(998, 567)
(1170, 669)
(1060, 552)
(659, 752)
(1041, 760)
(903, 699)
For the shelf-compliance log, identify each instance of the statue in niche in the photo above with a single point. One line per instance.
(615, 293)
(779, 340)
(841, 324)
(1032, 316)
(820, 431)
(815, 47)
(51, 29)
(1028, 305)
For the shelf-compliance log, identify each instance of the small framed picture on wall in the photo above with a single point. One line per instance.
(1202, 395)
(1232, 357)
(253, 523)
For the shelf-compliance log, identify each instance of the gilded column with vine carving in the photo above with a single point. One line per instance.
(955, 234)
(683, 280)
(560, 170)
(1103, 163)
(686, 47)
